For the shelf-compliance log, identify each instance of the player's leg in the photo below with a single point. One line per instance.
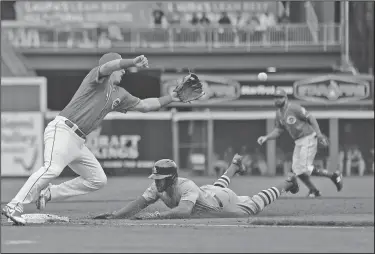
(300, 166)
(58, 152)
(235, 167)
(336, 177)
(257, 203)
(92, 178)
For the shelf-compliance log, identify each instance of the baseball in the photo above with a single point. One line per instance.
(262, 76)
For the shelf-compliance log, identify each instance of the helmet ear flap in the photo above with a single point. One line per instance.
(170, 180)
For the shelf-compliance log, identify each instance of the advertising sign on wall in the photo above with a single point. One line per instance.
(84, 11)
(21, 143)
(121, 144)
(322, 89)
(332, 89)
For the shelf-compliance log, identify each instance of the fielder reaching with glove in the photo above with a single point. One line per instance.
(304, 129)
(64, 137)
(185, 199)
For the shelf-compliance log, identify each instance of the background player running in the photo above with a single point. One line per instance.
(304, 129)
(186, 199)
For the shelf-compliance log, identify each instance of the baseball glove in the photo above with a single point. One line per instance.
(189, 89)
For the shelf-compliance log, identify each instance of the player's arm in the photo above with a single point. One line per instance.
(314, 124)
(121, 64)
(275, 133)
(190, 194)
(304, 115)
(154, 104)
(183, 210)
(149, 197)
(115, 65)
(131, 209)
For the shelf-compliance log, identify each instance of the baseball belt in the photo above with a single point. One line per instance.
(77, 131)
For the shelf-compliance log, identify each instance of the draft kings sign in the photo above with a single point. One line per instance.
(129, 144)
(21, 143)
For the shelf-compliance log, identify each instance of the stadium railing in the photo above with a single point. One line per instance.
(83, 36)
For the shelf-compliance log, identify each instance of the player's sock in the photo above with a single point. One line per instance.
(265, 197)
(231, 171)
(223, 181)
(321, 172)
(306, 180)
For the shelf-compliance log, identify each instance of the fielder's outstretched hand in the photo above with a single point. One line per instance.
(189, 88)
(141, 61)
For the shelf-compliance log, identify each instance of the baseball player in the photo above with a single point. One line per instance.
(304, 129)
(186, 199)
(64, 137)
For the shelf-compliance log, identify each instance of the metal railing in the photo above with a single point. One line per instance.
(171, 38)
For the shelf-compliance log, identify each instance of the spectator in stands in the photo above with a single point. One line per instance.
(103, 41)
(267, 20)
(174, 18)
(255, 30)
(254, 24)
(194, 19)
(246, 159)
(204, 19)
(354, 159)
(159, 19)
(280, 162)
(241, 20)
(114, 33)
(224, 19)
(219, 165)
(284, 18)
(259, 162)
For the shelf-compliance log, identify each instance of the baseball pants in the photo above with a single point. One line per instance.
(304, 154)
(241, 206)
(62, 147)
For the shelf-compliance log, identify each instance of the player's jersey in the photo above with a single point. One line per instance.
(94, 99)
(294, 120)
(185, 189)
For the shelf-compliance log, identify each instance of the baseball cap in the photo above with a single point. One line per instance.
(109, 57)
(280, 93)
(163, 168)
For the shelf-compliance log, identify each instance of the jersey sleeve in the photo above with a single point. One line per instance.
(127, 101)
(189, 191)
(93, 76)
(300, 112)
(151, 194)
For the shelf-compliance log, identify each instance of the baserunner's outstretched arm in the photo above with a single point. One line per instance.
(128, 211)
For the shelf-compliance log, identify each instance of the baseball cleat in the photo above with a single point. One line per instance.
(13, 216)
(295, 187)
(44, 197)
(314, 194)
(337, 180)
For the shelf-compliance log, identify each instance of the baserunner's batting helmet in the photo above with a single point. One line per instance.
(109, 57)
(164, 168)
